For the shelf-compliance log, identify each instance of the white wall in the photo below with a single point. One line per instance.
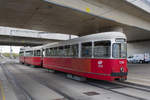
(139, 47)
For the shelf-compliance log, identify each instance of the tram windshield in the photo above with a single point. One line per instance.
(119, 50)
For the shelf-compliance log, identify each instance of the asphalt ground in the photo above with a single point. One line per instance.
(139, 73)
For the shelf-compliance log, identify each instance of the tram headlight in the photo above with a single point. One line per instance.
(121, 69)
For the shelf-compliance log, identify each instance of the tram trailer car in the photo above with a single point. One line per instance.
(32, 56)
(21, 56)
(99, 56)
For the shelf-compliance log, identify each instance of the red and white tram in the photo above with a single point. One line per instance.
(99, 56)
(31, 56)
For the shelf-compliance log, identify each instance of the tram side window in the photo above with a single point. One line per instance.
(74, 50)
(60, 51)
(38, 52)
(55, 51)
(51, 52)
(66, 50)
(35, 52)
(29, 53)
(87, 49)
(47, 53)
(102, 49)
(21, 53)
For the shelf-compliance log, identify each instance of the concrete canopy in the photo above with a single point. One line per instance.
(24, 41)
(70, 16)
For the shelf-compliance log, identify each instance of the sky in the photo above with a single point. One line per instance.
(6, 49)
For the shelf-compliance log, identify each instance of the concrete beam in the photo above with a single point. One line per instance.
(32, 34)
(22, 41)
(119, 11)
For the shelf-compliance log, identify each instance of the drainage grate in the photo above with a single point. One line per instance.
(91, 93)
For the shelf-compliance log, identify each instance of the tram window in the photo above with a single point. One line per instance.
(60, 51)
(116, 50)
(47, 53)
(123, 50)
(35, 53)
(66, 50)
(21, 53)
(50, 52)
(102, 49)
(29, 53)
(119, 50)
(74, 50)
(87, 49)
(55, 51)
(38, 52)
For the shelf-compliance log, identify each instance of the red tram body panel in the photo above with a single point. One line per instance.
(35, 61)
(102, 69)
(21, 59)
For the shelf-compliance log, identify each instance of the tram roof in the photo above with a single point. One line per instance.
(31, 48)
(89, 38)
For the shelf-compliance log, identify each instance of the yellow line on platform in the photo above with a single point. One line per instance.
(2, 91)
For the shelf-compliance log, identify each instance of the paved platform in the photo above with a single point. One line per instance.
(139, 73)
(6, 90)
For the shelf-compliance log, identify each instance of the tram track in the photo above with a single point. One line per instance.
(20, 92)
(130, 83)
(134, 86)
(99, 86)
(117, 85)
(45, 83)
